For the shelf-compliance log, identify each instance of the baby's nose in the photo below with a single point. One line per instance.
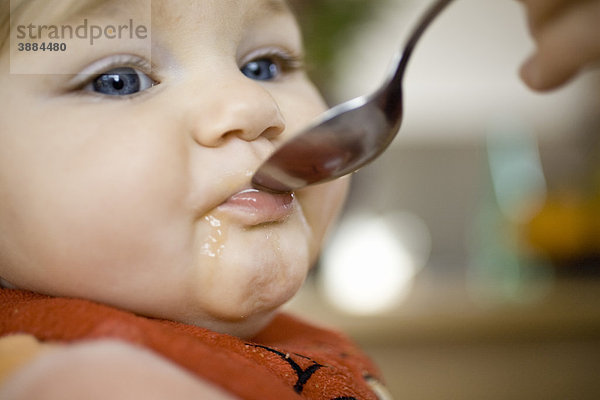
(240, 107)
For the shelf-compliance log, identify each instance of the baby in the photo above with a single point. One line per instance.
(136, 259)
(126, 181)
(129, 183)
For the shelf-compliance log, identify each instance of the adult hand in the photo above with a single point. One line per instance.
(567, 34)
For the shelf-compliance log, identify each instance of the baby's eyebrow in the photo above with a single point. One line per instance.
(59, 11)
(275, 6)
(104, 7)
(109, 7)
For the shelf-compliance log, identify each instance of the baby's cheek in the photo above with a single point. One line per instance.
(321, 205)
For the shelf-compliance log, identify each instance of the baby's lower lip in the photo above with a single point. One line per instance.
(254, 207)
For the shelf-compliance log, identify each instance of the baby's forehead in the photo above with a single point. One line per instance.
(247, 9)
(169, 24)
(229, 21)
(64, 10)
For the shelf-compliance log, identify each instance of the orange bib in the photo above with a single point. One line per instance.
(289, 359)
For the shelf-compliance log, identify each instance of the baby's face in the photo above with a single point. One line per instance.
(132, 188)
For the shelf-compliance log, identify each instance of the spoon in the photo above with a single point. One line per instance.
(347, 136)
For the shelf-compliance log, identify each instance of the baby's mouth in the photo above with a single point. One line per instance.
(254, 207)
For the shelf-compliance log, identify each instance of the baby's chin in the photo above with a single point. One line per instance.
(241, 308)
(257, 271)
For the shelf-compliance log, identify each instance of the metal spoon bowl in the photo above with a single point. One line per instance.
(347, 136)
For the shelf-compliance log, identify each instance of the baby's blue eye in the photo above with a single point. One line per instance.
(121, 81)
(262, 69)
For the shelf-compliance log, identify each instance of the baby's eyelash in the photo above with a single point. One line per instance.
(286, 59)
(106, 64)
(291, 61)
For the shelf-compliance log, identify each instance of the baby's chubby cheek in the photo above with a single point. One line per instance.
(322, 205)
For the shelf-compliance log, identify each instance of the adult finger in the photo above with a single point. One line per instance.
(564, 46)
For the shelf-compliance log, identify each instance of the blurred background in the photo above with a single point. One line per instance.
(467, 260)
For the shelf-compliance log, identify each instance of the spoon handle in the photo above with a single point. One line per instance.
(391, 95)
